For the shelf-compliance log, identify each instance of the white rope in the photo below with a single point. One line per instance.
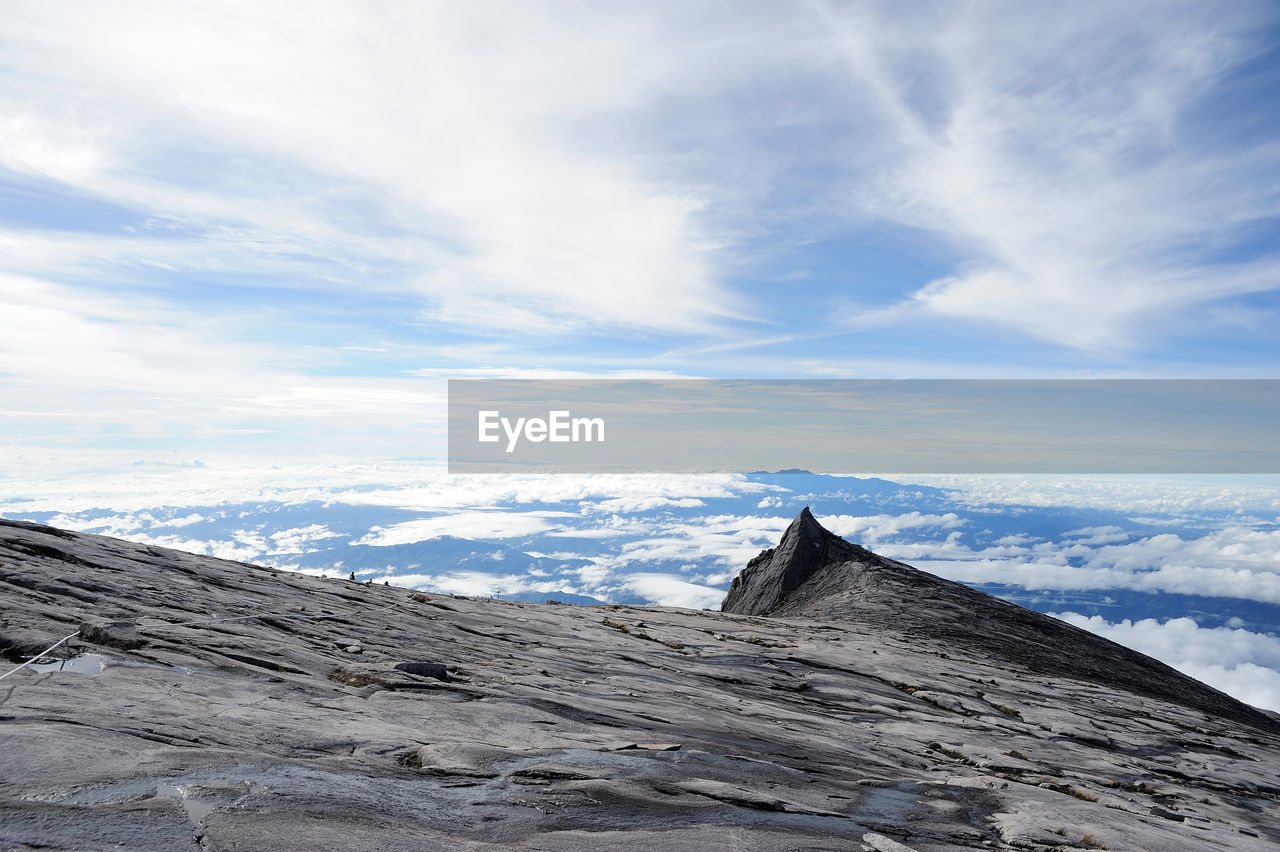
(41, 654)
(70, 636)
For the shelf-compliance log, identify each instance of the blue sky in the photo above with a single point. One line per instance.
(273, 229)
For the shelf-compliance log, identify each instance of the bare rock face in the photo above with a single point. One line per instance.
(815, 574)
(213, 705)
(113, 634)
(769, 579)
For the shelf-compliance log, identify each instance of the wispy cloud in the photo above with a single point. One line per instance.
(461, 126)
(109, 370)
(1065, 151)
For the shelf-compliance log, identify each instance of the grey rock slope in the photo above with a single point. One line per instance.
(813, 573)
(237, 707)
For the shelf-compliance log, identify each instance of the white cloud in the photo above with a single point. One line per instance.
(98, 344)
(632, 505)
(1060, 162)
(874, 528)
(465, 524)
(468, 583)
(369, 398)
(78, 481)
(475, 584)
(713, 543)
(298, 539)
(1239, 662)
(1036, 575)
(1166, 495)
(440, 491)
(95, 364)
(470, 124)
(1239, 560)
(1252, 684)
(1236, 561)
(672, 590)
(244, 546)
(1096, 535)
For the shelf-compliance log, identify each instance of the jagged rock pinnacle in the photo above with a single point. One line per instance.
(773, 575)
(814, 575)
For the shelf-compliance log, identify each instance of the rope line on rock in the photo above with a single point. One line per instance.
(69, 636)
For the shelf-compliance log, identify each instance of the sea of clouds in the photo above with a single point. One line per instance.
(1187, 570)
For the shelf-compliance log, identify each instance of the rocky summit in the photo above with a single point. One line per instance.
(813, 573)
(840, 701)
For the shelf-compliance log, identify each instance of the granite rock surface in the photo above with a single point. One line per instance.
(205, 704)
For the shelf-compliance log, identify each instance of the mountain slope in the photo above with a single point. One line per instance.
(237, 707)
(813, 573)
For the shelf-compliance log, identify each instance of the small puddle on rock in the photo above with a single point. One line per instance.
(90, 664)
(196, 809)
(94, 664)
(886, 806)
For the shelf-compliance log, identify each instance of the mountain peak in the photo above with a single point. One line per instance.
(807, 520)
(770, 578)
(806, 535)
(813, 574)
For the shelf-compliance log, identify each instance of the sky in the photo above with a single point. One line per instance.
(243, 247)
(243, 229)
